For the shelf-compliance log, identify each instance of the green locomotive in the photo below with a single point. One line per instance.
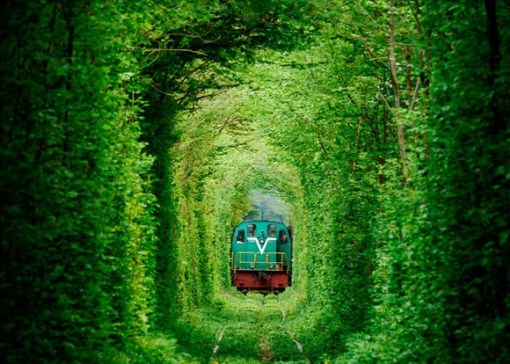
(261, 257)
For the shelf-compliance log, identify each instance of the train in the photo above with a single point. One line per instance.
(261, 257)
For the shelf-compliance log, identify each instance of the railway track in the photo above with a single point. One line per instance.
(299, 346)
(258, 332)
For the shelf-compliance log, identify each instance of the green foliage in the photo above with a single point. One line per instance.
(469, 137)
(85, 265)
(77, 224)
(187, 55)
(151, 349)
(132, 133)
(440, 297)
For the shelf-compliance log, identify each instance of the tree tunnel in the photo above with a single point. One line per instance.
(135, 136)
(255, 147)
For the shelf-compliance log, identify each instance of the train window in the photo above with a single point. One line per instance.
(240, 236)
(282, 237)
(271, 230)
(252, 230)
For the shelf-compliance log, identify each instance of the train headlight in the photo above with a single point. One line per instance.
(252, 265)
(271, 266)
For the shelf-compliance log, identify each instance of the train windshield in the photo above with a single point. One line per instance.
(240, 236)
(252, 230)
(271, 230)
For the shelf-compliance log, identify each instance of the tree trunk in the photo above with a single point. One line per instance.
(396, 90)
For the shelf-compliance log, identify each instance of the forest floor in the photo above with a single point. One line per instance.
(247, 329)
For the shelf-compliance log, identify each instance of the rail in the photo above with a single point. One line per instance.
(272, 261)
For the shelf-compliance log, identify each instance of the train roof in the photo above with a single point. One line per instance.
(263, 221)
